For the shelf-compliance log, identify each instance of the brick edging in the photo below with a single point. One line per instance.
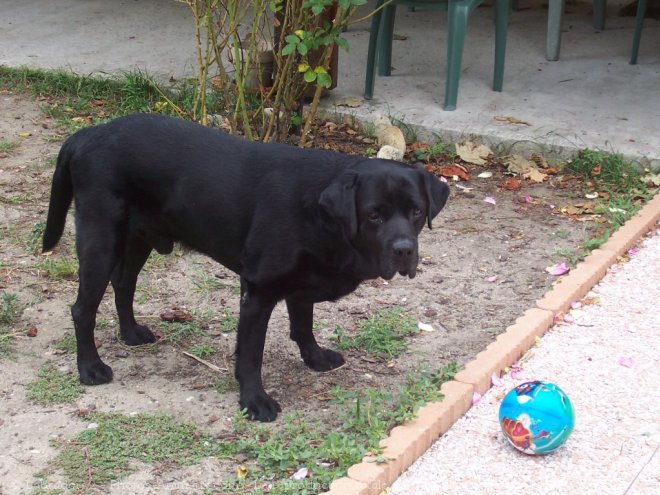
(406, 443)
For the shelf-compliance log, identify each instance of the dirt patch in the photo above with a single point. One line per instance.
(483, 265)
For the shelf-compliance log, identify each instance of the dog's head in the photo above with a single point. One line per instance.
(382, 206)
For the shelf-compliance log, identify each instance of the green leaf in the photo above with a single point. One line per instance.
(288, 49)
(324, 80)
(292, 39)
(310, 76)
(302, 49)
(358, 2)
(344, 4)
(317, 9)
(342, 43)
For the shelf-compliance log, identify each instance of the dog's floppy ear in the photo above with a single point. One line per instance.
(338, 201)
(436, 191)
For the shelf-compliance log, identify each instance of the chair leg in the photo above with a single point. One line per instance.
(600, 6)
(457, 26)
(385, 41)
(639, 23)
(501, 24)
(371, 53)
(555, 20)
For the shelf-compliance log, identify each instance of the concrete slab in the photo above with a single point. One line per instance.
(591, 97)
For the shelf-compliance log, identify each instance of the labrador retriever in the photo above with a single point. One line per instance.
(298, 225)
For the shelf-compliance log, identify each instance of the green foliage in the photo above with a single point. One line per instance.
(384, 334)
(226, 383)
(365, 417)
(67, 343)
(105, 452)
(439, 148)
(609, 171)
(36, 236)
(58, 267)
(202, 351)
(54, 387)
(10, 312)
(6, 146)
(177, 332)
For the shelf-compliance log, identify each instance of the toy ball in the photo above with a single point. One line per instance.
(536, 417)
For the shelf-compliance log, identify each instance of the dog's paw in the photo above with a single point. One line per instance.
(259, 406)
(324, 360)
(136, 335)
(95, 373)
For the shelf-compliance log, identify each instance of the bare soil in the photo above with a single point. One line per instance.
(471, 242)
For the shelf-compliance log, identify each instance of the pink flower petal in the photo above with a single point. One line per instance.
(490, 199)
(528, 199)
(476, 398)
(558, 269)
(568, 319)
(442, 179)
(576, 305)
(626, 361)
(491, 279)
(552, 207)
(496, 380)
(633, 251)
(517, 372)
(300, 474)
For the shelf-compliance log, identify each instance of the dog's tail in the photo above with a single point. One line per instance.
(61, 195)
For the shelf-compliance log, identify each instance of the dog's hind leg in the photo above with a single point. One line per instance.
(124, 280)
(316, 357)
(97, 246)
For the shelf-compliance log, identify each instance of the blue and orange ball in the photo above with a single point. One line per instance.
(536, 417)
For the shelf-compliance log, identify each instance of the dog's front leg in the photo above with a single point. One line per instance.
(255, 312)
(301, 317)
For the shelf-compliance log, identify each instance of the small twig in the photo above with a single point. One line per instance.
(206, 363)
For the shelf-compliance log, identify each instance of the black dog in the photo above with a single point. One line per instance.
(301, 225)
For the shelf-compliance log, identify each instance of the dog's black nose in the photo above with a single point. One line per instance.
(404, 248)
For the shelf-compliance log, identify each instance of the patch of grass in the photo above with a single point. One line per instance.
(609, 171)
(227, 383)
(10, 312)
(437, 149)
(178, 333)
(366, 416)
(562, 234)
(229, 322)
(569, 255)
(100, 455)
(7, 146)
(54, 387)
(16, 200)
(409, 130)
(384, 334)
(67, 343)
(36, 236)
(58, 268)
(202, 350)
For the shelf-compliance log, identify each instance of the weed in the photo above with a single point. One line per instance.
(562, 234)
(10, 312)
(202, 350)
(177, 333)
(229, 322)
(103, 454)
(610, 171)
(58, 268)
(67, 343)
(409, 131)
(6, 147)
(54, 387)
(439, 148)
(36, 236)
(569, 255)
(207, 283)
(17, 200)
(383, 334)
(227, 383)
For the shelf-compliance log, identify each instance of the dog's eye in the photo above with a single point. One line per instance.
(416, 212)
(374, 216)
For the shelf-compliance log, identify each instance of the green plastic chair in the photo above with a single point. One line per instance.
(555, 19)
(382, 31)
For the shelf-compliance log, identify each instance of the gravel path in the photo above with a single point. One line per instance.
(607, 363)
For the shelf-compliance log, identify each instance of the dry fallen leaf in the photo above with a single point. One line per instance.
(454, 171)
(511, 184)
(519, 165)
(32, 331)
(511, 120)
(349, 101)
(473, 153)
